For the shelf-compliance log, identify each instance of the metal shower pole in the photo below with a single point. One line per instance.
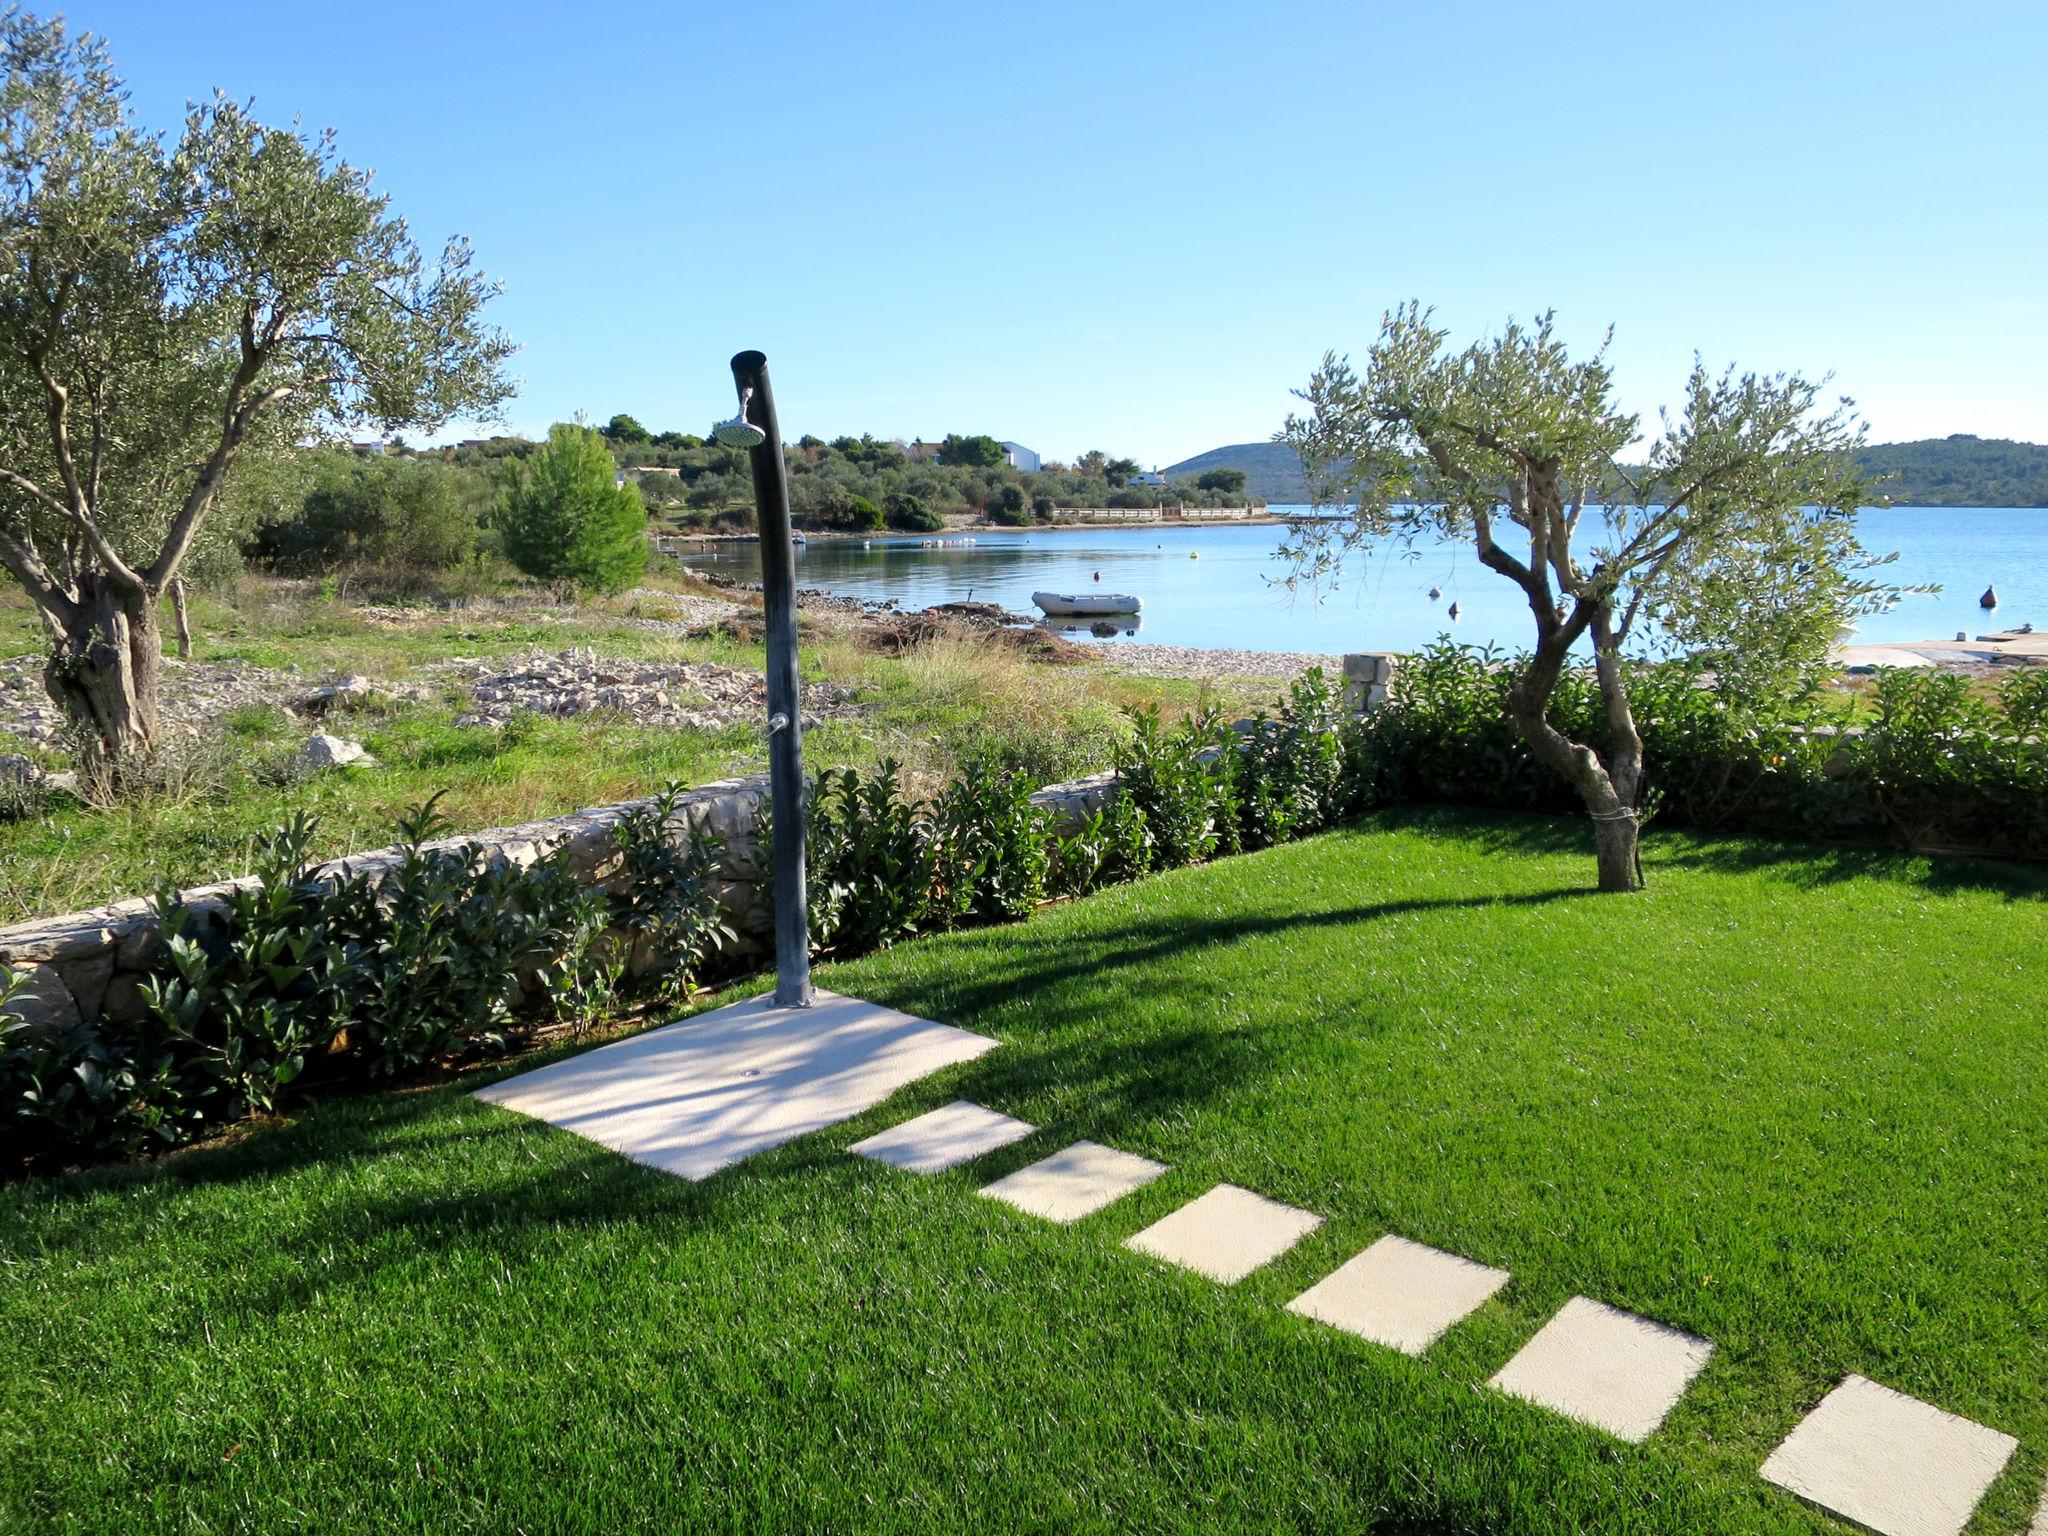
(785, 714)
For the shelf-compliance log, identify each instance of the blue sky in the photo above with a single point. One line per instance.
(1137, 226)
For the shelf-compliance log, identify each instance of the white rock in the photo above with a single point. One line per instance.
(323, 751)
(341, 694)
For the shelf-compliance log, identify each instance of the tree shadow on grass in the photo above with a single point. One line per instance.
(1814, 866)
(1808, 865)
(1110, 1079)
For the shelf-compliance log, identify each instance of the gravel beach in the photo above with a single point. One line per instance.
(1197, 661)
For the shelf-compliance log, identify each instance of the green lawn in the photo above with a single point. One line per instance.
(1790, 1099)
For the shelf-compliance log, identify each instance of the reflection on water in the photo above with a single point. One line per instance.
(1126, 625)
(1234, 592)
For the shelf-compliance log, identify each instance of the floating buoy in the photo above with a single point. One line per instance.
(1098, 575)
(1194, 554)
(1454, 610)
(1435, 593)
(1989, 599)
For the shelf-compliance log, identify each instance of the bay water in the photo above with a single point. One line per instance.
(1223, 586)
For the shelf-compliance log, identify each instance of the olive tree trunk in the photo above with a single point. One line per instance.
(1609, 787)
(103, 670)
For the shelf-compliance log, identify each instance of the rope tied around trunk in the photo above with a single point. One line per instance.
(1625, 813)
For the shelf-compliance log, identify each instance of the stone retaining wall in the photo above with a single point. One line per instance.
(86, 964)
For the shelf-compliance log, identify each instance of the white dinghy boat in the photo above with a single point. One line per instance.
(1087, 604)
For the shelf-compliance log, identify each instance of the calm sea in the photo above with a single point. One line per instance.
(1218, 587)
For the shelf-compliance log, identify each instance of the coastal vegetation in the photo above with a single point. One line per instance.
(691, 484)
(231, 773)
(1777, 1113)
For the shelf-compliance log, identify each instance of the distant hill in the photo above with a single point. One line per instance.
(1959, 471)
(1271, 470)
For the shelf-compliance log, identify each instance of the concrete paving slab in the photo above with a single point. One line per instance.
(946, 1137)
(1225, 1234)
(2040, 1525)
(1890, 1462)
(1400, 1294)
(1605, 1367)
(1074, 1182)
(699, 1095)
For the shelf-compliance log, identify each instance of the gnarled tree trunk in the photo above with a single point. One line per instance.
(103, 671)
(1608, 789)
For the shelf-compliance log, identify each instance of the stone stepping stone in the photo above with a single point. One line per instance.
(945, 1138)
(1075, 1182)
(1400, 1294)
(2040, 1525)
(1890, 1462)
(699, 1095)
(1225, 1234)
(1605, 1367)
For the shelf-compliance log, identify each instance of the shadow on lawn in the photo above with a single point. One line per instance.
(482, 1189)
(1805, 865)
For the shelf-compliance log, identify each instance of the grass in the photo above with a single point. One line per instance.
(1787, 1098)
(929, 709)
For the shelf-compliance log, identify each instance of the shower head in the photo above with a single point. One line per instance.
(740, 432)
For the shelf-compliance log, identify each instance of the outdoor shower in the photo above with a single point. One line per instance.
(753, 427)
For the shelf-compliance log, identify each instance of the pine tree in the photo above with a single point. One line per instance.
(566, 518)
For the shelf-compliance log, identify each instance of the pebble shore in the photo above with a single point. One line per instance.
(1200, 662)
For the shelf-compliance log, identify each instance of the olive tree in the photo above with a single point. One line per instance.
(167, 308)
(1734, 535)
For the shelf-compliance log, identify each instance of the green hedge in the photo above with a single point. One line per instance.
(1931, 764)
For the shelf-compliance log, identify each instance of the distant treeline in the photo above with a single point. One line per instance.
(865, 483)
(1959, 471)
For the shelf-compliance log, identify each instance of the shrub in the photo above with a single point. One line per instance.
(871, 861)
(995, 852)
(249, 1009)
(75, 1091)
(1182, 780)
(912, 515)
(1935, 766)
(666, 910)
(352, 978)
(1008, 505)
(393, 514)
(862, 516)
(565, 519)
(1290, 777)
